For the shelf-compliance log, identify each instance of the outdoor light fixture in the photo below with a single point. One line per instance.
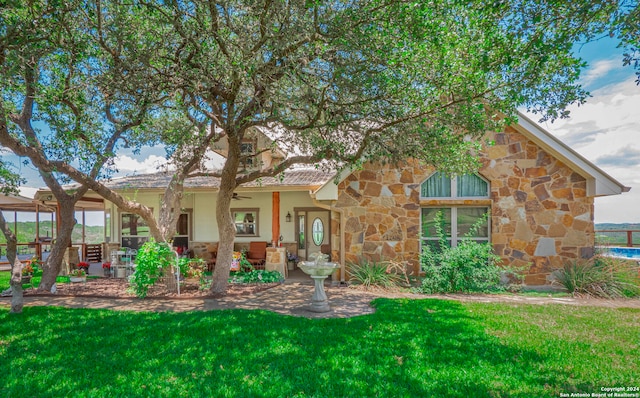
(288, 217)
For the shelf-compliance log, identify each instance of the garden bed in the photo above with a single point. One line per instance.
(117, 288)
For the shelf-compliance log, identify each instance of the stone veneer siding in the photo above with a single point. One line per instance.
(541, 216)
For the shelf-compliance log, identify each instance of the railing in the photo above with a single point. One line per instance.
(89, 252)
(626, 237)
(92, 253)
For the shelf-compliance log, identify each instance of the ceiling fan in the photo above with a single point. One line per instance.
(239, 197)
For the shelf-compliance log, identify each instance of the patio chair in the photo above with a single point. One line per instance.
(213, 250)
(257, 254)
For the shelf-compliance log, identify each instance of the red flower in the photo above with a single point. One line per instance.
(106, 265)
(83, 264)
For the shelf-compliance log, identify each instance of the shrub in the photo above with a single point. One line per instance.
(256, 276)
(371, 274)
(601, 276)
(152, 260)
(469, 267)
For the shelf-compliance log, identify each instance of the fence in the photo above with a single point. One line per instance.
(627, 237)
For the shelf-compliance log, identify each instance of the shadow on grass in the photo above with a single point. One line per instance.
(407, 348)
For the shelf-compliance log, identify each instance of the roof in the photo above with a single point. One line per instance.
(21, 203)
(599, 183)
(302, 178)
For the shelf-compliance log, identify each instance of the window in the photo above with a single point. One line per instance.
(181, 238)
(134, 230)
(247, 153)
(439, 185)
(456, 221)
(246, 221)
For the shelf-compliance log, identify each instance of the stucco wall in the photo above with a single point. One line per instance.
(540, 214)
(203, 204)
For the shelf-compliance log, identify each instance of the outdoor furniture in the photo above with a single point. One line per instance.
(257, 254)
(213, 250)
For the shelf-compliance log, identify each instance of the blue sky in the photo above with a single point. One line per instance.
(605, 130)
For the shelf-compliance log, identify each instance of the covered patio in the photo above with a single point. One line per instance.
(38, 243)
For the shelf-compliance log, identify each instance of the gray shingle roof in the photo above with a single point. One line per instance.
(292, 178)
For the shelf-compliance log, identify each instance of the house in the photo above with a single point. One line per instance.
(533, 199)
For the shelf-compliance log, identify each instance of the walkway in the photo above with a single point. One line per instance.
(294, 298)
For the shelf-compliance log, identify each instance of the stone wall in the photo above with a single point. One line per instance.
(540, 214)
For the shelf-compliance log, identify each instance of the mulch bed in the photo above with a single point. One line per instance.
(117, 288)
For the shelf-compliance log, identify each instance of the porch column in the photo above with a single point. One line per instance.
(275, 218)
(38, 247)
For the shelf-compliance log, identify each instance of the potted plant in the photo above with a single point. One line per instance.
(106, 269)
(84, 266)
(292, 260)
(78, 275)
(27, 273)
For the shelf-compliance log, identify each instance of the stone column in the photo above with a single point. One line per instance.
(276, 260)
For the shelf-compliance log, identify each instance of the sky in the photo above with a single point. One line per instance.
(605, 130)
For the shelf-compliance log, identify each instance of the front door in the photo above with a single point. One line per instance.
(313, 232)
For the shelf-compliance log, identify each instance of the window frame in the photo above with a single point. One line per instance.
(139, 238)
(255, 222)
(454, 224)
(453, 203)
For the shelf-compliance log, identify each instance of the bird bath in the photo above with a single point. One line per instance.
(318, 270)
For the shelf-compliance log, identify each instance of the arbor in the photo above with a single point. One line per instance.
(340, 82)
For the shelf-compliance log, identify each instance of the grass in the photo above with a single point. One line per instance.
(407, 348)
(5, 277)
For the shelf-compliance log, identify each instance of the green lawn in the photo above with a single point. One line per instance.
(407, 348)
(5, 278)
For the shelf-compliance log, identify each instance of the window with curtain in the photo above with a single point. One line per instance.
(439, 185)
(456, 221)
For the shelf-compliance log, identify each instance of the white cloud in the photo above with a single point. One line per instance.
(598, 70)
(127, 165)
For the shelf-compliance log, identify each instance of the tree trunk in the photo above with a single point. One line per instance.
(17, 300)
(51, 268)
(170, 206)
(226, 225)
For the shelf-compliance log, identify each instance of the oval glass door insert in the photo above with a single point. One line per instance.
(317, 231)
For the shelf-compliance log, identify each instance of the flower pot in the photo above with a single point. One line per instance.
(76, 279)
(120, 272)
(26, 279)
(107, 272)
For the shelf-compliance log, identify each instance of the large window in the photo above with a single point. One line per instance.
(456, 221)
(246, 221)
(134, 230)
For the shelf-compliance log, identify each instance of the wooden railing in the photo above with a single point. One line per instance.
(88, 252)
(621, 237)
(92, 253)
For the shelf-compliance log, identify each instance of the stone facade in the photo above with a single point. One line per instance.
(541, 216)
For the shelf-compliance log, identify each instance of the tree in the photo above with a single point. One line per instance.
(627, 28)
(341, 82)
(347, 82)
(58, 70)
